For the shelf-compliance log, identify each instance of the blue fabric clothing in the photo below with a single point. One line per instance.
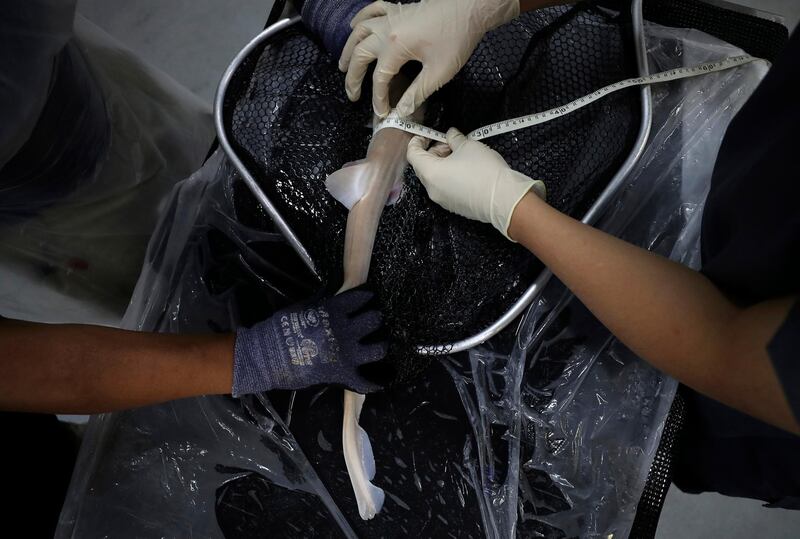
(330, 20)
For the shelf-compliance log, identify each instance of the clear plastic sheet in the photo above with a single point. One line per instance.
(32, 35)
(112, 138)
(177, 455)
(569, 422)
(553, 439)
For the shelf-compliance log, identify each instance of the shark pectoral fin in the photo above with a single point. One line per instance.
(349, 184)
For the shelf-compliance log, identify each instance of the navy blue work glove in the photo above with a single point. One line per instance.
(307, 345)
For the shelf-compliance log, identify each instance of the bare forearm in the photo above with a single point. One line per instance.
(668, 314)
(89, 369)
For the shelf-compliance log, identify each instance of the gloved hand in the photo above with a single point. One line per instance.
(469, 178)
(306, 345)
(441, 34)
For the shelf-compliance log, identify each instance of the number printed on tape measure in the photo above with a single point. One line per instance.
(515, 124)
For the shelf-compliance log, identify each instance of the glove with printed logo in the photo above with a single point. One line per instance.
(308, 345)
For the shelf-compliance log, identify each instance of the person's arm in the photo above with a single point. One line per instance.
(90, 369)
(671, 316)
(668, 314)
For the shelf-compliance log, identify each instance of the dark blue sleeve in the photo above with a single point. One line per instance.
(330, 20)
(784, 349)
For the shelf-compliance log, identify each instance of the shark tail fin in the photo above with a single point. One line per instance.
(360, 460)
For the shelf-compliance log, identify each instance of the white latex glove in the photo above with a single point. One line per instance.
(440, 34)
(469, 178)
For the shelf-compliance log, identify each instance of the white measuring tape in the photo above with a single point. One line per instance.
(507, 126)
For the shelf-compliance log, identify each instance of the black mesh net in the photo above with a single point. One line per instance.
(443, 442)
(659, 478)
(440, 278)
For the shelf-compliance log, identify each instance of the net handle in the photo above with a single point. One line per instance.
(535, 289)
(224, 142)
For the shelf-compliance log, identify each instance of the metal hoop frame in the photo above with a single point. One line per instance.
(535, 289)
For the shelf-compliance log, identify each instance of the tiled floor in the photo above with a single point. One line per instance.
(193, 40)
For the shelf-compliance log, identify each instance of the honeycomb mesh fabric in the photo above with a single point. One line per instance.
(659, 478)
(440, 278)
